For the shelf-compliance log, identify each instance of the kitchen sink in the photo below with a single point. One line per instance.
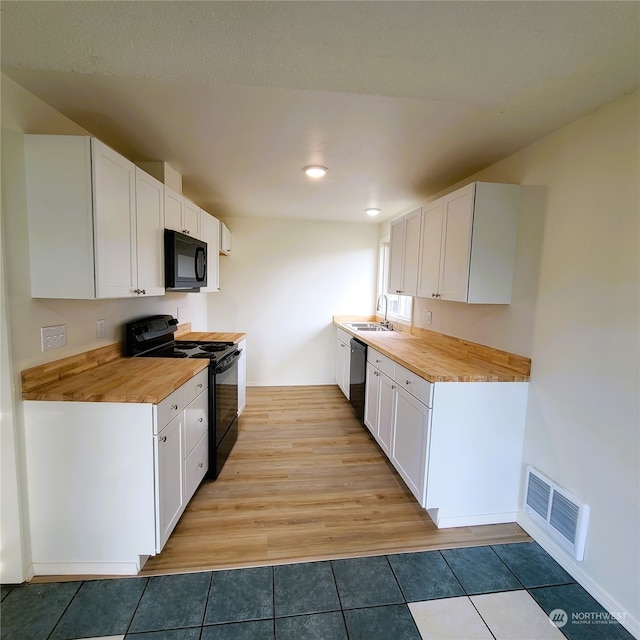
(368, 326)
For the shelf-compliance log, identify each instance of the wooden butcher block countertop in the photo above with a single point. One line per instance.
(104, 375)
(440, 358)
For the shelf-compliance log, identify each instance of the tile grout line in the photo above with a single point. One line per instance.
(133, 615)
(65, 609)
(404, 597)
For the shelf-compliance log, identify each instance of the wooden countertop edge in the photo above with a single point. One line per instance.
(455, 349)
(47, 381)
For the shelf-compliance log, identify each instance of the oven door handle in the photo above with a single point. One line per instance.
(229, 361)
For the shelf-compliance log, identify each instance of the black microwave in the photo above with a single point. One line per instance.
(185, 262)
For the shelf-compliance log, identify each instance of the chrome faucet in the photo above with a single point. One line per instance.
(386, 308)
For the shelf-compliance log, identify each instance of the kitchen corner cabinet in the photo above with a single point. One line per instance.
(242, 376)
(456, 445)
(343, 361)
(95, 223)
(181, 214)
(404, 252)
(210, 233)
(468, 244)
(107, 482)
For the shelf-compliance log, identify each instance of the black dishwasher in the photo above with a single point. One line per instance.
(357, 376)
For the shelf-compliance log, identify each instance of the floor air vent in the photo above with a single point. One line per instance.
(559, 512)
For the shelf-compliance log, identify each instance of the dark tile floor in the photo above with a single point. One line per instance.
(353, 599)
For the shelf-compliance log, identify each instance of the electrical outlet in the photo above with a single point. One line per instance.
(53, 337)
(178, 313)
(429, 317)
(101, 329)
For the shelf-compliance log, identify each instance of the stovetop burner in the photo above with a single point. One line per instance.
(214, 346)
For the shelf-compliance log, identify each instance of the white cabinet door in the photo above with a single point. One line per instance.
(430, 249)
(405, 254)
(410, 440)
(173, 208)
(343, 366)
(242, 376)
(115, 223)
(170, 496)
(372, 399)
(396, 256)
(386, 406)
(210, 233)
(456, 249)
(191, 219)
(149, 234)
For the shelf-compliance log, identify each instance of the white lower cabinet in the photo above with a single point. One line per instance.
(456, 445)
(170, 469)
(409, 449)
(343, 361)
(378, 406)
(242, 376)
(107, 482)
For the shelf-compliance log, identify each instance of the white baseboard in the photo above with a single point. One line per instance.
(84, 569)
(630, 622)
(447, 522)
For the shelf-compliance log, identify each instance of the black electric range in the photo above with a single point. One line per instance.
(153, 337)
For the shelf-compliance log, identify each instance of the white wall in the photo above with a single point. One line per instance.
(23, 316)
(575, 312)
(283, 283)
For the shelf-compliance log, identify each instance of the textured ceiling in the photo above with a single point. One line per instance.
(398, 99)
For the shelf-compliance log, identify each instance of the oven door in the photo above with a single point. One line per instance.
(225, 394)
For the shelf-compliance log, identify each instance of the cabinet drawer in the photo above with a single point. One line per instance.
(386, 365)
(196, 421)
(343, 336)
(195, 386)
(196, 466)
(168, 409)
(418, 387)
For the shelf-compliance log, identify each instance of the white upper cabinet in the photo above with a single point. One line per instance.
(468, 244)
(404, 254)
(81, 201)
(181, 214)
(225, 240)
(210, 233)
(149, 234)
(191, 219)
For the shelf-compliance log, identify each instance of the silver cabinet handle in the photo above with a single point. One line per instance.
(200, 419)
(199, 385)
(140, 291)
(200, 464)
(408, 382)
(174, 407)
(186, 231)
(163, 439)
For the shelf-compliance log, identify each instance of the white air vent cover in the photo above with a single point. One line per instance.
(557, 511)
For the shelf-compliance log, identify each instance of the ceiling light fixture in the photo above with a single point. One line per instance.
(315, 171)
(372, 212)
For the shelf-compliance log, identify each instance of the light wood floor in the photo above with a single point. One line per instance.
(305, 482)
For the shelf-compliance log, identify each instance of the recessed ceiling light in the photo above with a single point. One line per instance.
(372, 212)
(315, 171)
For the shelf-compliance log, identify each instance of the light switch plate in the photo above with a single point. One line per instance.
(53, 337)
(101, 329)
